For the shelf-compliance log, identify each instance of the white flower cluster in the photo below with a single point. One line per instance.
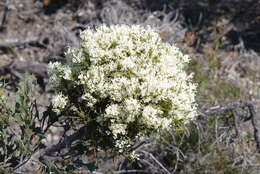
(139, 80)
(57, 70)
(59, 102)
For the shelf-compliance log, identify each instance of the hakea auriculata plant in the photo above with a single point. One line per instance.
(127, 81)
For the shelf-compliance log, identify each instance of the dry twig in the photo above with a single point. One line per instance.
(20, 67)
(157, 162)
(14, 42)
(5, 15)
(213, 111)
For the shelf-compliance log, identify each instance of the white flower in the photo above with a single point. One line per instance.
(112, 111)
(132, 105)
(67, 73)
(135, 156)
(58, 71)
(55, 67)
(59, 101)
(151, 117)
(130, 79)
(117, 129)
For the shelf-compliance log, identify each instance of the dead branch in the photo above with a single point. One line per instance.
(213, 111)
(68, 140)
(20, 67)
(236, 121)
(14, 42)
(256, 125)
(225, 107)
(65, 143)
(156, 161)
(131, 171)
(5, 15)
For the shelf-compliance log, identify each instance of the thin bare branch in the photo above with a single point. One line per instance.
(14, 42)
(5, 15)
(131, 171)
(67, 141)
(236, 121)
(226, 107)
(213, 111)
(157, 162)
(20, 67)
(256, 125)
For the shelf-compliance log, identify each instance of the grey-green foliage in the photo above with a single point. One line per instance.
(19, 134)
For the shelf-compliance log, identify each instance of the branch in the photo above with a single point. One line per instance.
(68, 140)
(255, 119)
(44, 154)
(156, 161)
(226, 107)
(5, 15)
(17, 67)
(130, 171)
(256, 125)
(14, 42)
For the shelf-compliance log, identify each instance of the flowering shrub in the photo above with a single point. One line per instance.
(126, 82)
